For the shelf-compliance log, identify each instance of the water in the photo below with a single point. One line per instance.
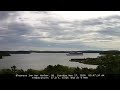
(39, 61)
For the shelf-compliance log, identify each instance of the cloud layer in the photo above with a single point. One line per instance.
(25, 30)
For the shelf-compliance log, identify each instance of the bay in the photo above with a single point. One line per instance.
(40, 61)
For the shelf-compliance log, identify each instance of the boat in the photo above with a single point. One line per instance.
(74, 53)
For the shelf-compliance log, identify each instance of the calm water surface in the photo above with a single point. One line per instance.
(39, 61)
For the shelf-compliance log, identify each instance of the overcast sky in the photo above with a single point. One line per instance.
(59, 30)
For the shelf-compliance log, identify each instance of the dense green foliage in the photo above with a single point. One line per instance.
(108, 64)
(111, 52)
(57, 69)
(111, 64)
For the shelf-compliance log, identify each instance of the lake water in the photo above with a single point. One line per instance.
(39, 61)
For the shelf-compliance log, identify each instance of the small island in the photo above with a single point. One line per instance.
(4, 54)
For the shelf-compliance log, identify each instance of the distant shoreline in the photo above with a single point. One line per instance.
(87, 51)
(15, 52)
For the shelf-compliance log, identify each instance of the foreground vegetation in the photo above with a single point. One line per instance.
(57, 69)
(107, 64)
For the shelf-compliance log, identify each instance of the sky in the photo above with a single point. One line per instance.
(59, 30)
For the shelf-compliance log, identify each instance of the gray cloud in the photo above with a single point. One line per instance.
(113, 17)
(109, 20)
(92, 22)
(115, 31)
(5, 14)
(57, 33)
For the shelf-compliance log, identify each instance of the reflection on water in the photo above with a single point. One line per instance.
(41, 60)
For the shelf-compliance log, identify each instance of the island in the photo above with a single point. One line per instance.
(4, 54)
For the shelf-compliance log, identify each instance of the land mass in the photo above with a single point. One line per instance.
(86, 51)
(2, 54)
